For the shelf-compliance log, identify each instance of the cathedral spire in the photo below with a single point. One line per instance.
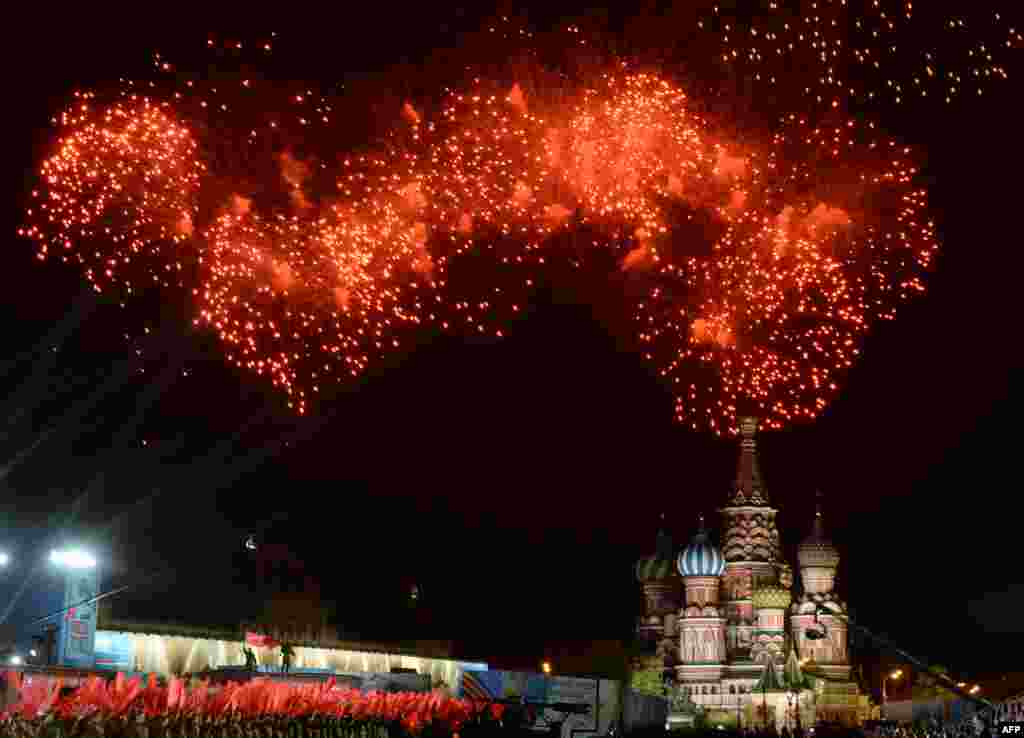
(818, 531)
(749, 489)
(702, 530)
(664, 547)
(818, 557)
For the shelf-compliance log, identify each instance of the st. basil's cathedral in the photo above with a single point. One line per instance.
(726, 623)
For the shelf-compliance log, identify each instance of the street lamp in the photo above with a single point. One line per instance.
(885, 680)
(73, 558)
(4, 559)
(81, 585)
(546, 667)
(945, 682)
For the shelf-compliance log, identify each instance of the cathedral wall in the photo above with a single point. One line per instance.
(661, 598)
(832, 650)
(702, 640)
(818, 579)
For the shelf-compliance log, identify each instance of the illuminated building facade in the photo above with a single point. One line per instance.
(729, 628)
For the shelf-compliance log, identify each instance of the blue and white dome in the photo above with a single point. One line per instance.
(701, 558)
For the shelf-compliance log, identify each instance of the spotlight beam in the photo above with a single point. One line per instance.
(188, 478)
(119, 376)
(153, 391)
(53, 390)
(83, 306)
(127, 432)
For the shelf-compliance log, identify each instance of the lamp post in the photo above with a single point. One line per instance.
(885, 680)
(944, 682)
(4, 559)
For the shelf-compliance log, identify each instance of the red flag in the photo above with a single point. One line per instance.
(260, 641)
(70, 613)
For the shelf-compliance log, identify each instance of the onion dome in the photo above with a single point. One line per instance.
(817, 551)
(701, 558)
(771, 596)
(661, 565)
(653, 569)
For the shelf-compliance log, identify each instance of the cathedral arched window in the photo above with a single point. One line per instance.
(732, 689)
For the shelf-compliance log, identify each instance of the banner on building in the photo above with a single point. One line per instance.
(115, 651)
(76, 643)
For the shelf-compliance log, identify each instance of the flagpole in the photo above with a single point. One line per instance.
(83, 603)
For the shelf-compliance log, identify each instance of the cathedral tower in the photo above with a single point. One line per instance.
(771, 601)
(662, 598)
(751, 545)
(702, 652)
(819, 608)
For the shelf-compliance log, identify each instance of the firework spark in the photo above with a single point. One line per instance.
(810, 237)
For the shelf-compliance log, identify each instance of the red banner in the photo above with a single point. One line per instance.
(260, 641)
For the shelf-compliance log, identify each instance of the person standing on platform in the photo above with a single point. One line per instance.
(287, 652)
(250, 659)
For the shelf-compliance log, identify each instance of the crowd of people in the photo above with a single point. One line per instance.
(971, 727)
(978, 725)
(974, 726)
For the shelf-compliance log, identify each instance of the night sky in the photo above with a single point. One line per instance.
(516, 482)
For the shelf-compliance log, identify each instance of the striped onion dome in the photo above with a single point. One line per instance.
(771, 596)
(654, 569)
(701, 558)
(659, 566)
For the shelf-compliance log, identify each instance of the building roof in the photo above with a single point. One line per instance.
(425, 649)
(771, 596)
(701, 558)
(793, 673)
(749, 489)
(771, 680)
(817, 550)
(661, 565)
